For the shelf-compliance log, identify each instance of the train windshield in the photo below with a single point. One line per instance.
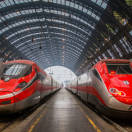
(121, 68)
(14, 69)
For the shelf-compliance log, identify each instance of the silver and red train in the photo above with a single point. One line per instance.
(107, 86)
(23, 84)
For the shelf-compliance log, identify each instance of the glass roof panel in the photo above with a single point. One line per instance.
(74, 45)
(100, 3)
(48, 38)
(37, 20)
(2, 4)
(62, 2)
(11, 15)
(21, 31)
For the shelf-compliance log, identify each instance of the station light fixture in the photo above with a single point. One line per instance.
(17, 11)
(28, 29)
(63, 47)
(63, 40)
(97, 49)
(63, 29)
(106, 39)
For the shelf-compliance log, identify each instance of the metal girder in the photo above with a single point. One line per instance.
(46, 41)
(45, 16)
(79, 18)
(88, 4)
(28, 49)
(61, 37)
(56, 30)
(121, 48)
(28, 52)
(47, 5)
(69, 59)
(8, 50)
(64, 19)
(66, 34)
(109, 44)
(50, 24)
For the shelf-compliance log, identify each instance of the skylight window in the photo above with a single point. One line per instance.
(52, 11)
(118, 50)
(124, 46)
(100, 3)
(130, 32)
(104, 55)
(110, 53)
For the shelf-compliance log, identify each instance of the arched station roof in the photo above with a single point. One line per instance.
(71, 33)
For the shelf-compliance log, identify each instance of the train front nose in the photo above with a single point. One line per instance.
(120, 89)
(7, 103)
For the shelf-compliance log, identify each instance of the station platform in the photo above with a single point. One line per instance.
(65, 113)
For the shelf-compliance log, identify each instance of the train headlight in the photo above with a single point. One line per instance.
(113, 90)
(20, 86)
(117, 92)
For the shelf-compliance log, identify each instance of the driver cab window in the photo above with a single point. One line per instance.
(14, 69)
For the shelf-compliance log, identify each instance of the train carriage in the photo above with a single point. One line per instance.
(23, 84)
(108, 86)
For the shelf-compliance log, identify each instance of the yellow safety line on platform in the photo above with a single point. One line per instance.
(89, 119)
(36, 121)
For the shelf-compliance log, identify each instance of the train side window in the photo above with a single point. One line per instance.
(96, 74)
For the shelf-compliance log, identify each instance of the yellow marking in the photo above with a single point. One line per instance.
(89, 119)
(36, 121)
(97, 129)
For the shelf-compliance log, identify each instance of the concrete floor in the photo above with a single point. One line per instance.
(63, 113)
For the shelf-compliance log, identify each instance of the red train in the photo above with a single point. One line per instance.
(23, 84)
(108, 86)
